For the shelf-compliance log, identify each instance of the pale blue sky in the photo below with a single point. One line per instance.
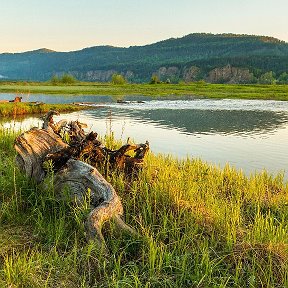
(65, 25)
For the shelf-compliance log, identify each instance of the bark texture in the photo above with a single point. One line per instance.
(32, 147)
(81, 180)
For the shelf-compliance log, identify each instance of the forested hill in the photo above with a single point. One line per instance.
(215, 58)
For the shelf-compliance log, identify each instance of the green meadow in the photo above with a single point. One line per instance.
(199, 226)
(200, 89)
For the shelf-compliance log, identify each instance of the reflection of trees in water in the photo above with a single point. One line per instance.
(192, 121)
(207, 121)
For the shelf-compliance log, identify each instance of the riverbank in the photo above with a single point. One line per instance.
(200, 226)
(256, 91)
(22, 108)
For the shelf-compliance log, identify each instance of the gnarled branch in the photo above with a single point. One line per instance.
(36, 146)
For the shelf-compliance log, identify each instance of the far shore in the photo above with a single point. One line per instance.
(197, 89)
(22, 108)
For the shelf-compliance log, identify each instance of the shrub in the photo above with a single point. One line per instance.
(55, 80)
(283, 78)
(267, 78)
(64, 79)
(118, 79)
(68, 79)
(155, 80)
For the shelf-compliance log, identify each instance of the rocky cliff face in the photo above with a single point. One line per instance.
(226, 74)
(172, 73)
(191, 74)
(229, 74)
(100, 75)
(95, 75)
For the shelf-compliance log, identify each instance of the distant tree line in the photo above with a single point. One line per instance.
(259, 54)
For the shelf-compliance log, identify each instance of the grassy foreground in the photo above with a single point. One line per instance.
(201, 227)
(276, 92)
(22, 108)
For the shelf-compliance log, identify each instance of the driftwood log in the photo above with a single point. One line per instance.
(32, 148)
(81, 179)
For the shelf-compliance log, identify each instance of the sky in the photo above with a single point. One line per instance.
(66, 25)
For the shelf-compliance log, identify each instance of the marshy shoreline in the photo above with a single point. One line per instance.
(197, 89)
(26, 108)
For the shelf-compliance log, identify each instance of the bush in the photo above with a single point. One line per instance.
(283, 78)
(68, 79)
(118, 79)
(64, 79)
(155, 80)
(267, 78)
(55, 80)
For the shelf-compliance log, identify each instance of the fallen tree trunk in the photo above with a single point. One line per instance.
(32, 147)
(79, 178)
(36, 146)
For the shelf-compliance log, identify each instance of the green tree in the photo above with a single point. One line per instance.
(283, 78)
(68, 79)
(267, 78)
(118, 79)
(55, 80)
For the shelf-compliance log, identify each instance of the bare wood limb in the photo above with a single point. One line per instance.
(81, 179)
(32, 148)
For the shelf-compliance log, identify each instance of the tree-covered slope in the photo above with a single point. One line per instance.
(259, 54)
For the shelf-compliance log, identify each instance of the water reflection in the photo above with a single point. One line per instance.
(248, 134)
(207, 121)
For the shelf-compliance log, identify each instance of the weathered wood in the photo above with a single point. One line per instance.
(90, 149)
(32, 148)
(81, 180)
(48, 119)
(16, 99)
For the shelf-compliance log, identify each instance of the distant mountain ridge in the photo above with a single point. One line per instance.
(230, 58)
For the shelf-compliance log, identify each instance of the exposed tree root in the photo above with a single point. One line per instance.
(79, 178)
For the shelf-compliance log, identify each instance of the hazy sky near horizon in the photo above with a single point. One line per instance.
(65, 25)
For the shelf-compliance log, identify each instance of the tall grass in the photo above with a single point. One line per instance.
(200, 226)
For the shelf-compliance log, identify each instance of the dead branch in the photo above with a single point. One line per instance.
(36, 146)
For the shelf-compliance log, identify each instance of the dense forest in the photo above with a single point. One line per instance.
(221, 58)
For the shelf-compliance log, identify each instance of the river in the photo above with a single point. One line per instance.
(251, 135)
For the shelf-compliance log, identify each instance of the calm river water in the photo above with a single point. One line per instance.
(249, 134)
